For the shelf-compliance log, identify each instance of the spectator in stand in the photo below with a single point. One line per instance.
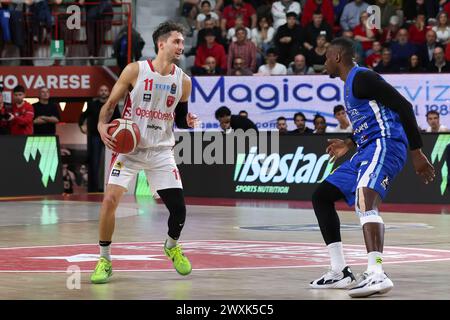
(427, 49)
(210, 68)
(375, 56)
(433, 120)
(205, 12)
(98, 21)
(447, 52)
(239, 68)
(363, 34)
(390, 33)
(209, 25)
(288, 39)
(22, 114)
(402, 49)
(344, 124)
(95, 148)
(41, 17)
(272, 67)
(209, 49)
(243, 113)
(439, 65)
(415, 65)
(229, 122)
(316, 57)
(386, 65)
(5, 115)
(282, 125)
(243, 48)
(320, 124)
(279, 10)
(300, 123)
(262, 37)
(314, 28)
(311, 6)
(359, 52)
(120, 47)
(446, 8)
(387, 11)
(299, 66)
(442, 29)
(230, 13)
(417, 31)
(338, 7)
(351, 15)
(46, 114)
(231, 35)
(412, 8)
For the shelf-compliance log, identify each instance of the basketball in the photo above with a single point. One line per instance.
(126, 133)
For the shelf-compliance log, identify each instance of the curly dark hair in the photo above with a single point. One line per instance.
(163, 32)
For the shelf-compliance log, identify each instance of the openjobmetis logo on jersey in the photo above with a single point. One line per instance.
(154, 114)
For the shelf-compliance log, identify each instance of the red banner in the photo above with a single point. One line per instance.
(67, 82)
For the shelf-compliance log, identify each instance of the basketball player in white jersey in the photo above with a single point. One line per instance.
(159, 95)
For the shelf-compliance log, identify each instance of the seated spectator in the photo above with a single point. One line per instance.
(439, 65)
(320, 124)
(230, 13)
(288, 39)
(351, 15)
(386, 65)
(412, 8)
(282, 125)
(262, 36)
(243, 113)
(402, 49)
(22, 114)
(280, 8)
(263, 9)
(311, 6)
(417, 31)
(205, 12)
(243, 48)
(427, 49)
(41, 17)
(314, 28)
(390, 33)
(387, 11)
(120, 47)
(344, 124)
(210, 68)
(5, 115)
(239, 68)
(272, 67)
(299, 66)
(300, 123)
(209, 49)
(46, 114)
(316, 57)
(209, 25)
(434, 122)
(359, 52)
(375, 55)
(231, 35)
(415, 66)
(229, 122)
(442, 28)
(363, 34)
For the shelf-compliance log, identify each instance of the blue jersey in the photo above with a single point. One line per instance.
(370, 119)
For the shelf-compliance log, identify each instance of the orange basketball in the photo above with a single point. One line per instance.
(126, 133)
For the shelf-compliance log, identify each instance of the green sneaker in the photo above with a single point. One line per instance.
(180, 261)
(102, 272)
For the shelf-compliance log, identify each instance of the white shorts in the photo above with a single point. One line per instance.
(158, 164)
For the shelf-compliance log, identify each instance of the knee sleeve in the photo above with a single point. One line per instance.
(369, 216)
(174, 201)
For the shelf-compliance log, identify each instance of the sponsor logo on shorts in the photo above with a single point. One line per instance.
(154, 114)
(147, 97)
(173, 88)
(118, 165)
(385, 182)
(115, 173)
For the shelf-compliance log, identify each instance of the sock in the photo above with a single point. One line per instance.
(105, 249)
(374, 263)
(170, 243)
(337, 256)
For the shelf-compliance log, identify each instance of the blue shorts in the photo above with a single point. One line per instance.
(374, 167)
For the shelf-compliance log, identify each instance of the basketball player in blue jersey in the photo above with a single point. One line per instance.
(384, 126)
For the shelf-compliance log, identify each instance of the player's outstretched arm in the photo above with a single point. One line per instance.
(371, 86)
(127, 78)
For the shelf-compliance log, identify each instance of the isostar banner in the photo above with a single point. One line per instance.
(295, 171)
(267, 98)
(31, 166)
(62, 81)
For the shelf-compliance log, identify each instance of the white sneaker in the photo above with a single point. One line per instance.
(334, 280)
(370, 284)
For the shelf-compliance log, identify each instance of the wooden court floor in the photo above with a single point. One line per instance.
(239, 249)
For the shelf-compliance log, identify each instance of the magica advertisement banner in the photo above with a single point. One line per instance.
(267, 98)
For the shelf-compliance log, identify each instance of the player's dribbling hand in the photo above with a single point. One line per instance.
(336, 149)
(192, 120)
(106, 138)
(422, 166)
